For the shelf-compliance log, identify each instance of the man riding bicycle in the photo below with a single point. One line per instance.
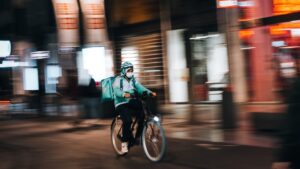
(125, 87)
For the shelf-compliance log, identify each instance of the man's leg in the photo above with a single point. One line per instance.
(126, 118)
(136, 105)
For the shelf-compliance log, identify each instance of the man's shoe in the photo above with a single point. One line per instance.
(124, 147)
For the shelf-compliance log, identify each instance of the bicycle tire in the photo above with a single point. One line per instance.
(116, 130)
(150, 139)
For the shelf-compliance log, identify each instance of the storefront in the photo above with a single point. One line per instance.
(271, 46)
(134, 28)
(145, 52)
(173, 48)
(210, 66)
(196, 53)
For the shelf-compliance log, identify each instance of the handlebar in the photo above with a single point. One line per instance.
(144, 95)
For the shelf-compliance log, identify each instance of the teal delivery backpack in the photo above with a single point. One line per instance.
(107, 88)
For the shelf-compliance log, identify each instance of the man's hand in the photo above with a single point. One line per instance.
(127, 95)
(153, 94)
(280, 165)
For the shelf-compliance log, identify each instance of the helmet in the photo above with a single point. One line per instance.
(125, 66)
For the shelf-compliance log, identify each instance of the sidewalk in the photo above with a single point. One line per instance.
(211, 113)
(204, 124)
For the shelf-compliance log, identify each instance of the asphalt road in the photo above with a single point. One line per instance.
(44, 144)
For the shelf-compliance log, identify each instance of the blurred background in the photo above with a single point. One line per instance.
(187, 51)
(215, 64)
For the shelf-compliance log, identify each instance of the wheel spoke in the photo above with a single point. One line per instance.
(116, 136)
(119, 134)
(151, 148)
(155, 148)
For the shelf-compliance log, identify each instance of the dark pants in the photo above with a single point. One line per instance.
(127, 111)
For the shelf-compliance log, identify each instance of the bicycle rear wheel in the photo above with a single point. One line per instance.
(154, 141)
(116, 135)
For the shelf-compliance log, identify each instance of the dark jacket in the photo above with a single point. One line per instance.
(289, 150)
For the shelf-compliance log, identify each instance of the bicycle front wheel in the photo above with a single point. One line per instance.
(154, 141)
(116, 135)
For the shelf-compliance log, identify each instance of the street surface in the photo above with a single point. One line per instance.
(57, 144)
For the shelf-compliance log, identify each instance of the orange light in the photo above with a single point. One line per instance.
(283, 28)
(245, 19)
(286, 2)
(285, 6)
(4, 102)
(277, 30)
(289, 25)
(245, 33)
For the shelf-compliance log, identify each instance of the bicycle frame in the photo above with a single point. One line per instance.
(148, 117)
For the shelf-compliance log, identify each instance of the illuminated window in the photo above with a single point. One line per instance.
(130, 54)
(93, 60)
(31, 80)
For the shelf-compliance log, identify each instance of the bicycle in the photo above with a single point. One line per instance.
(153, 135)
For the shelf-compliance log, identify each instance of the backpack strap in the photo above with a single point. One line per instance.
(121, 83)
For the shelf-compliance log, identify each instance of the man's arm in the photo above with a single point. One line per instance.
(140, 88)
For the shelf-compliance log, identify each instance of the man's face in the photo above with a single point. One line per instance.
(129, 73)
(130, 70)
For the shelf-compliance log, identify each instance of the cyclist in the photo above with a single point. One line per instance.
(125, 86)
